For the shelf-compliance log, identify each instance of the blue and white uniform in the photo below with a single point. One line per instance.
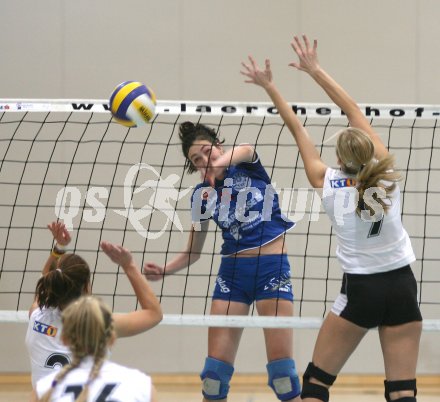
(246, 207)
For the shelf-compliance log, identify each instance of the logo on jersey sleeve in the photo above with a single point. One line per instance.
(44, 329)
(341, 183)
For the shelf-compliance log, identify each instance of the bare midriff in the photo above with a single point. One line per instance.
(276, 246)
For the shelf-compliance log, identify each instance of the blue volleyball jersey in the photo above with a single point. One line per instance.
(244, 205)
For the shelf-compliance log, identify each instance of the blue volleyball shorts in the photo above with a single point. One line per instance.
(249, 279)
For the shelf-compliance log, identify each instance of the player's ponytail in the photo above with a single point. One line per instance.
(88, 330)
(59, 377)
(355, 151)
(374, 174)
(189, 133)
(64, 283)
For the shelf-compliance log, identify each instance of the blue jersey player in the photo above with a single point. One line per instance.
(236, 193)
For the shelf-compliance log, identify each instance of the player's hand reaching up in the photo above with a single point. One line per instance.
(255, 75)
(117, 254)
(60, 233)
(307, 54)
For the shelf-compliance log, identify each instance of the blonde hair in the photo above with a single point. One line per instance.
(355, 151)
(88, 329)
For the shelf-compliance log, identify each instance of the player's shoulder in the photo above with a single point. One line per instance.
(127, 372)
(44, 312)
(200, 185)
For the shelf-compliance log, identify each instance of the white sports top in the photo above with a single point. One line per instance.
(43, 341)
(114, 383)
(364, 247)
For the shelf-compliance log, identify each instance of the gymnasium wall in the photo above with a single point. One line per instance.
(381, 51)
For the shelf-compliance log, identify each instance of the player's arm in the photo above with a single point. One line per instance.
(62, 238)
(313, 164)
(150, 313)
(308, 62)
(236, 155)
(33, 397)
(184, 259)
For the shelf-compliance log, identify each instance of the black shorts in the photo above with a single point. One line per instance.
(388, 298)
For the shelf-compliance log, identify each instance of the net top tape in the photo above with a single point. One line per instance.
(198, 108)
(190, 320)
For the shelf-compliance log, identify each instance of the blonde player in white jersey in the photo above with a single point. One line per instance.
(379, 288)
(89, 332)
(64, 279)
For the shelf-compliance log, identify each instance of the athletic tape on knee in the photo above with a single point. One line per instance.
(216, 376)
(283, 378)
(317, 391)
(319, 374)
(399, 385)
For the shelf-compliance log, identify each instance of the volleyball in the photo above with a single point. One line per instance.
(132, 104)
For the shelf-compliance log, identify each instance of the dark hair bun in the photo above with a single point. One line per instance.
(186, 128)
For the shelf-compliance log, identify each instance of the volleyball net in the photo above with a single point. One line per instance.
(68, 160)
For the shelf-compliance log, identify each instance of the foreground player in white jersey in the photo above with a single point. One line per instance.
(65, 278)
(379, 288)
(89, 332)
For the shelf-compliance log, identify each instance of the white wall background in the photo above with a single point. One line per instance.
(381, 51)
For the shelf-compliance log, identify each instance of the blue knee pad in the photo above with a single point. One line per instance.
(216, 376)
(283, 379)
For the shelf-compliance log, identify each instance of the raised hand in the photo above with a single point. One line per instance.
(307, 54)
(256, 76)
(60, 233)
(117, 254)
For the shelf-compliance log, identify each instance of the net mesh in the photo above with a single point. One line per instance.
(70, 161)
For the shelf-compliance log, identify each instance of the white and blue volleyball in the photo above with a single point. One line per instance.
(132, 104)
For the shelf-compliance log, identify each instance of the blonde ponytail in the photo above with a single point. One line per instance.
(355, 152)
(88, 329)
(376, 174)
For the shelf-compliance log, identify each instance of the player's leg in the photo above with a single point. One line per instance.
(274, 297)
(279, 341)
(400, 346)
(337, 339)
(400, 333)
(222, 349)
(282, 374)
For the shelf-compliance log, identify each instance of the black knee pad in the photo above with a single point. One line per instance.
(401, 385)
(317, 391)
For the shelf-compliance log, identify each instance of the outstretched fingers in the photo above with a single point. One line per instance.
(255, 74)
(60, 233)
(118, 254)
(306, 52)
(249, 70)
(297, 46)
(306, 43)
